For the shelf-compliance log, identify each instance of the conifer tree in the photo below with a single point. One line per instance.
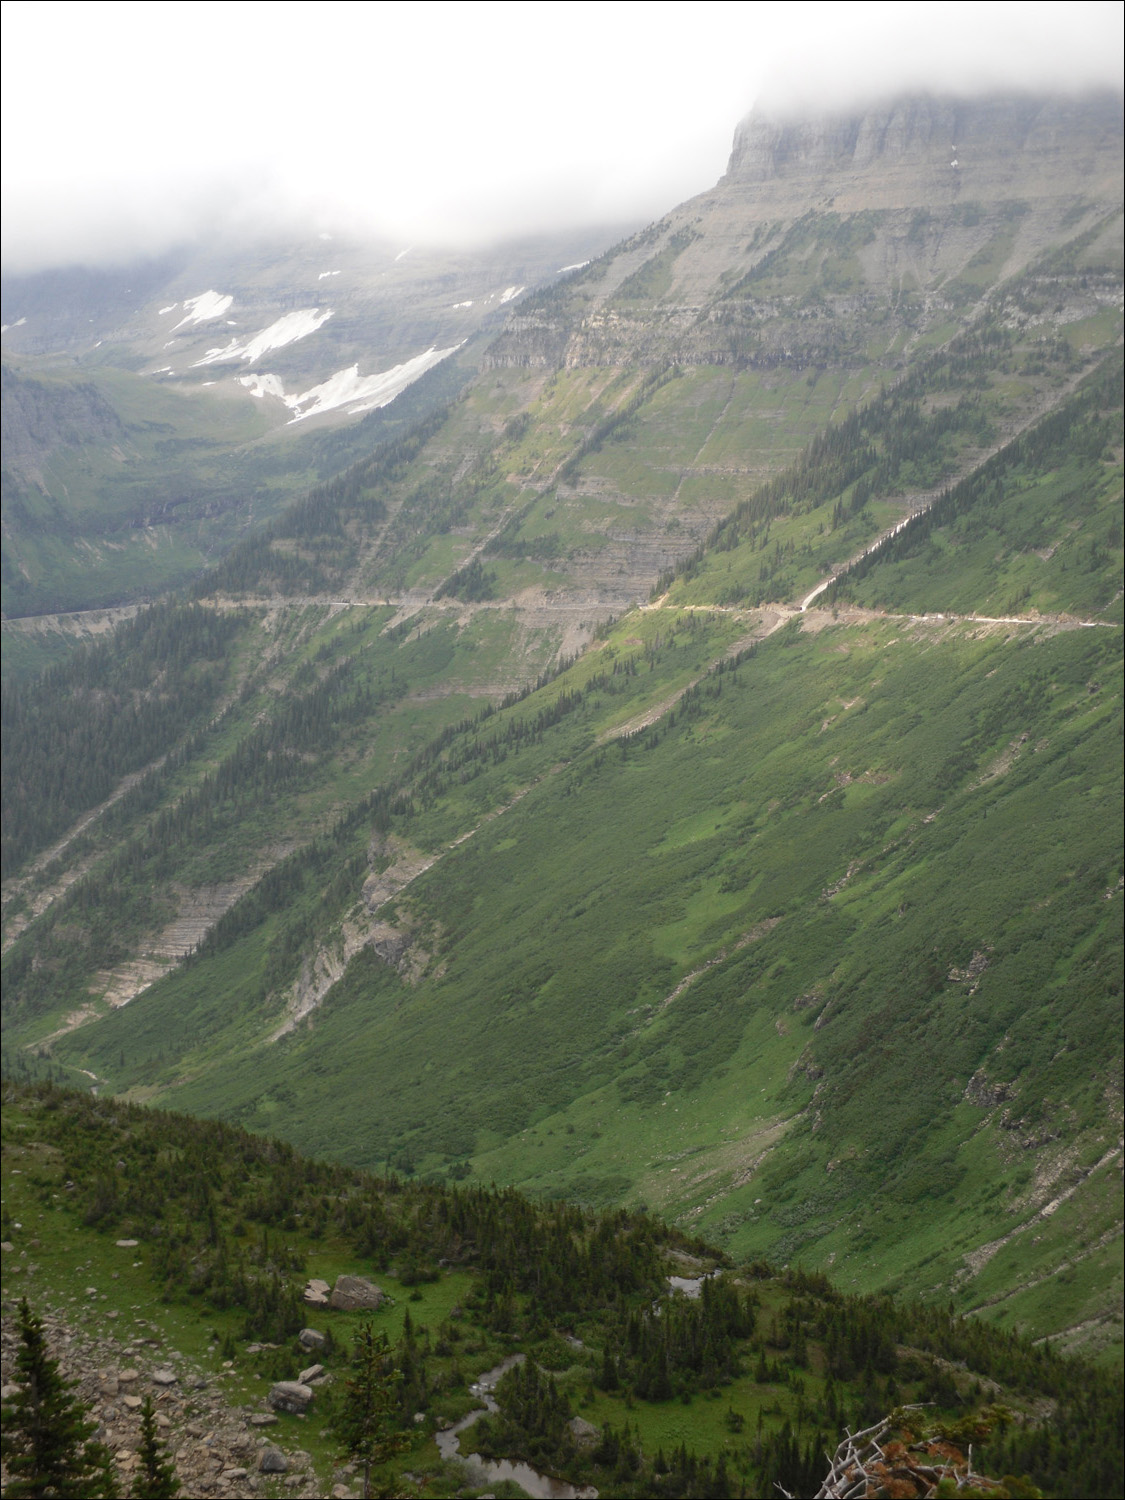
(157, 1479)
(47, 1438)
(367, 1417)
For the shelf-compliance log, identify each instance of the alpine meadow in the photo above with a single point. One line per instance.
(594, 798)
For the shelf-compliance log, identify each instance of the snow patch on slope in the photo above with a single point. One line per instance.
(203, 308)
(512, 291)
(348, 388)
(287, 330)
(368, 391)
(263, 385)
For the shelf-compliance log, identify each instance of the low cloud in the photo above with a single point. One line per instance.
(129, 129)
(856, 53)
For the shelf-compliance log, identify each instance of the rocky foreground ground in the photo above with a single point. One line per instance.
(218, 1448)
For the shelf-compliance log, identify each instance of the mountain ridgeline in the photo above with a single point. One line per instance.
(682, 772)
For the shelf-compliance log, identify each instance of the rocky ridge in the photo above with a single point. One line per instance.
(899, 200)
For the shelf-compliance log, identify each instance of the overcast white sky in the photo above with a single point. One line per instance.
(129, 126)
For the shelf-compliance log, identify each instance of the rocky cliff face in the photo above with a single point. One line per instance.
(915, 144)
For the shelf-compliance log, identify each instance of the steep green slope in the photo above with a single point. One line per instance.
(890, 852)
(1033, 530)
(787, 907)
(854, 826)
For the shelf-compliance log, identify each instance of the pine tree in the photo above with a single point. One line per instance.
(366, 1419)
(47, 1435)
(157, 1479)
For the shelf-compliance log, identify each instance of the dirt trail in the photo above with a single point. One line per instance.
(1107, 1238)
(759, 930)
(773, 616)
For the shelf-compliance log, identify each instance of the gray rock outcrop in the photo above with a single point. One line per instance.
(584, 1433)
(355, 1294)
(291, 1396)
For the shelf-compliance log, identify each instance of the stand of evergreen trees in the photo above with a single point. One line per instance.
(227, 1218)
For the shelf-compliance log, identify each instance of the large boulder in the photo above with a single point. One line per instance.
(316, 1292)
(290, 1396)
(584, 1433)
(273, 1461)
(354, 1294)
(311, 1338)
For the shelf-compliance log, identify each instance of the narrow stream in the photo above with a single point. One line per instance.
(541, 1486)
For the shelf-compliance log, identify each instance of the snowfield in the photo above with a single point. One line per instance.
(287, 330)
(203, 308)
(512, 291)
(359, 393)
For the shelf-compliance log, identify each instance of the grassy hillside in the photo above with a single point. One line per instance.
(206, 1236)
